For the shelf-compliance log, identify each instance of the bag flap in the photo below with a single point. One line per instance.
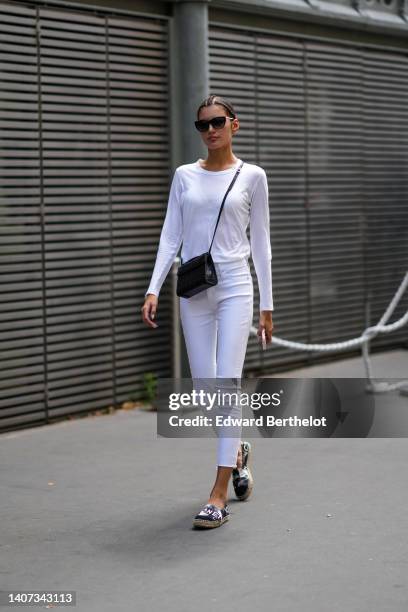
(191, 264)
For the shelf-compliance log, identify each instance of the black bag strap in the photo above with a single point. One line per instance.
(222, 205)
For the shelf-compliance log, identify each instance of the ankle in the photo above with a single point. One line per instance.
(219, 495)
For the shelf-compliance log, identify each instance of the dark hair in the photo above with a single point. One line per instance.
(214, 99)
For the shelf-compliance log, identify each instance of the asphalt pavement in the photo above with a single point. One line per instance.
(103, 507)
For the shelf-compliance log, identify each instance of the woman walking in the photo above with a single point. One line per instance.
(216, 322)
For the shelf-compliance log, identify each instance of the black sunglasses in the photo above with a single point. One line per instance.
(217, 122)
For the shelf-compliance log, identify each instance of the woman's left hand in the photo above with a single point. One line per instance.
(266, 323)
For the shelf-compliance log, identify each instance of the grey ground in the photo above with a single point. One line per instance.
(326, 528)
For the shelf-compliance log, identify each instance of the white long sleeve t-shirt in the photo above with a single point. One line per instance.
(194, 201)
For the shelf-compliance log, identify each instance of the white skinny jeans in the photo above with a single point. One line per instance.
(216, 324)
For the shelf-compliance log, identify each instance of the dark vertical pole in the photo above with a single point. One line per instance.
(189, 85)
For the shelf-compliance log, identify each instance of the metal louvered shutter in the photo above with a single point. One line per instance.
(385, 118)
(263, 77)
(335, 209)
(22, 298)
(315, 116)
(85, 176)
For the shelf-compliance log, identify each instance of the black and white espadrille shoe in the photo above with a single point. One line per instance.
(211, 516)
(242, 479)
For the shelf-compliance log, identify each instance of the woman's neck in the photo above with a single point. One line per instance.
(219, 159)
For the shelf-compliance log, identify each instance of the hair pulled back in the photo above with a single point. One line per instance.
(214, 99)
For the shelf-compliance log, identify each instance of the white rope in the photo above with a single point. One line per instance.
(366, 336)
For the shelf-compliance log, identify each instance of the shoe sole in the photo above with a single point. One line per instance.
(250, 478)
(209, 524)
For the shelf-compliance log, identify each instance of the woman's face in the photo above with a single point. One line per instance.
(218, 138)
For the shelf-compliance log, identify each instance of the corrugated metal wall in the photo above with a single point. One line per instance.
(328, 122)
(84, 182)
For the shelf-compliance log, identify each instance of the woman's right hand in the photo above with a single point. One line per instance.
(149, 310)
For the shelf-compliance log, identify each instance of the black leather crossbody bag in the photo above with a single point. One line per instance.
(198, 273)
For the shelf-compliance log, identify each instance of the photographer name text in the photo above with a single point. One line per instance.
(269, 420)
